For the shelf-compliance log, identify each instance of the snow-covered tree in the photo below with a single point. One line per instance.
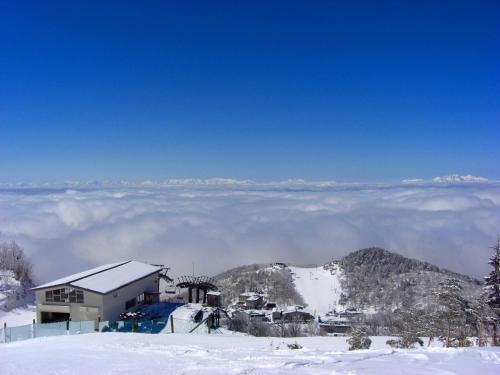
(482, 315)
(492, 286)
(451, 313)
(12, 258)
(409, 324)
(358, 338)
(431, 326)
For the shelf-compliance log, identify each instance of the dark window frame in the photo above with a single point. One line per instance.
(65, 295)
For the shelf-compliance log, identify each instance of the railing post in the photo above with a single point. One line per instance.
(172, 323)
(5, 332)
(33, 330)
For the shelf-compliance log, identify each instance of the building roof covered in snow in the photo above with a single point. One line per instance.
(254, 298)
(107, 278)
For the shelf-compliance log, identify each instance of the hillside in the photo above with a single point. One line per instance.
(372, 279)
(276, 283)
(383, 280)
(16, 298)
(321, 287)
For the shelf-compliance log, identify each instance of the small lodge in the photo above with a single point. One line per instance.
(292, 314)
(101, 293)
(297, 316)
(251, 300)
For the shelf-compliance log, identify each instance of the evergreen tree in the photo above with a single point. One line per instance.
(452, 313)
(358, 339)
(482, 314)
(409, 324)
(492, 286)
(431, 326)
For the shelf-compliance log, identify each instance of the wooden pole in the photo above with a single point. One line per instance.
(172, 323)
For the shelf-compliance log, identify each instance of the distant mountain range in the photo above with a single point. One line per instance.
(450, 179)
(95, 184)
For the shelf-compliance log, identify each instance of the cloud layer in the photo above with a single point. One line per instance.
(218, 226)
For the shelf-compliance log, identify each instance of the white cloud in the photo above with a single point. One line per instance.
(227, 224)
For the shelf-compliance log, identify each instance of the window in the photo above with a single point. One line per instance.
(130, 303)
(140, 299)
(64, 295)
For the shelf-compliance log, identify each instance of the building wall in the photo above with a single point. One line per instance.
(114, 302)
(92, 305)
(95, 306)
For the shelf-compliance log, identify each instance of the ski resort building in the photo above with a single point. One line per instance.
(99, 293)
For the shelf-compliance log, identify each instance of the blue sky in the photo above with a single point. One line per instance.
(366, 91)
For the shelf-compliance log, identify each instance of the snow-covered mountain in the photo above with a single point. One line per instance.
(449, 179)
(374, 280)
(381, 280)
(458, 178)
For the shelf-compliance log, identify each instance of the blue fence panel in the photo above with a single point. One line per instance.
(116, 326)
(84, 326)
(51, 329)
(151, 326)
(19, 333)
(105, 326)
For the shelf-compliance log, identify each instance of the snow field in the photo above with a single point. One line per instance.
(122, 353)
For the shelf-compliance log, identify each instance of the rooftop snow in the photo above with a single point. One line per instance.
(106, 278)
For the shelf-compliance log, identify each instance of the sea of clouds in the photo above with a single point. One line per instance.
(218, 224)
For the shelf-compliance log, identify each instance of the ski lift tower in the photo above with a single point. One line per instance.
(168, 280)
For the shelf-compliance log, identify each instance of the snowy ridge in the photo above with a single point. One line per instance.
(457, 178)
(236, 183)
(449, 179)
(319, 286)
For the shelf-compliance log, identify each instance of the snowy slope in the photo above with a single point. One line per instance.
(19, 316)
(119, 353)
(16, 303)
(320, 287)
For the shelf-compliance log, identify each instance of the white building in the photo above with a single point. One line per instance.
(100, 293)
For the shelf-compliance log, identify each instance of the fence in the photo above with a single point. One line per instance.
(168, 324)
(29, 331)
(140, 326)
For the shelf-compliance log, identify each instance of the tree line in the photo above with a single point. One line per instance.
(455, 319)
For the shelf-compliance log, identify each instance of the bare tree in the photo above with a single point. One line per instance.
(12, 258)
